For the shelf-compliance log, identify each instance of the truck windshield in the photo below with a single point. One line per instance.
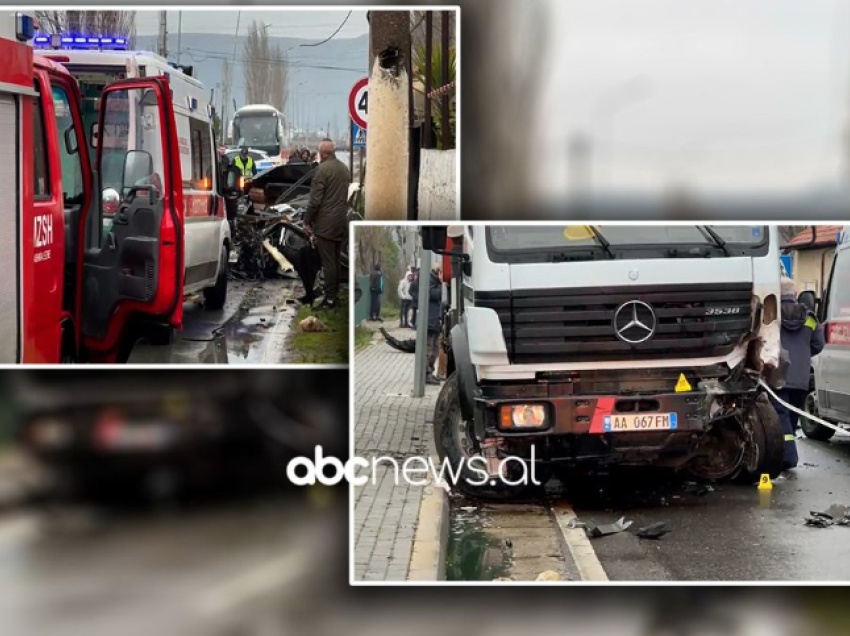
(257, 131)
(540, 243)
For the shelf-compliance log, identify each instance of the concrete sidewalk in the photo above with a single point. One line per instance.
(388, 422)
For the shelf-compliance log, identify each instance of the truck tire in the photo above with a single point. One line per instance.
(215, 297)
(454, 440)
(769, 441)
(812, 429)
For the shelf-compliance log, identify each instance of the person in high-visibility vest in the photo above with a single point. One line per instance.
(802, 338)
(246, 165)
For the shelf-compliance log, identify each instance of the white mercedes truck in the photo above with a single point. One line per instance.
(614, 344)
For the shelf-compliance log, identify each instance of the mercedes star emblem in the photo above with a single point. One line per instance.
(635, 322)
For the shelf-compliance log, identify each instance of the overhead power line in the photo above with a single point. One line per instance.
(332, 35)
(211, 55)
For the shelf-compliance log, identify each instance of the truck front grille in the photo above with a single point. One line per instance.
(554, 325)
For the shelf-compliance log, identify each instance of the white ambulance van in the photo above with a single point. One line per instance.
(94, 63)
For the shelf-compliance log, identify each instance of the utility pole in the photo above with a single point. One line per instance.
(388, 141)
(421, 356)
(179, 35)
(162, 43)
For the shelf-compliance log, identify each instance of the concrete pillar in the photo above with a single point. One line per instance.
(388, 137)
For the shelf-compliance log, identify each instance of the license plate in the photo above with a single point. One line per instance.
(627, 422)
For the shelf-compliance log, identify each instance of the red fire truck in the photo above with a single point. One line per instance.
(87, 268)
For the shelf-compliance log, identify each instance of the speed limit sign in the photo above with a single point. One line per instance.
(358, 102)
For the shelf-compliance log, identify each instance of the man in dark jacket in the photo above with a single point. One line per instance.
(326, 216)
(802, 338)
(376, 288)
(435, 318)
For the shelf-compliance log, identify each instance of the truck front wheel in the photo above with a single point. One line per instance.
(768, 442)
(456, 443)
(215, 297)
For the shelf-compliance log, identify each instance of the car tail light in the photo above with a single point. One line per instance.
(107, 428)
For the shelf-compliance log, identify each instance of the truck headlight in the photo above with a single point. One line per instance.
(523, 416)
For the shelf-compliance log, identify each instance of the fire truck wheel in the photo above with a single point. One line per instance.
(456, 444)
(214, 297)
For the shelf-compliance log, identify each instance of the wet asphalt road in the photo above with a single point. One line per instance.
(241, 565)
(252, 328)
(729, 532)
(735, 533)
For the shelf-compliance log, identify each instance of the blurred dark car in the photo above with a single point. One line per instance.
(97, 425)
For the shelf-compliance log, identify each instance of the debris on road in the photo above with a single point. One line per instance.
(285, 265)
(312, 324)
(594, 530)
(653, 530)
(693, 488)
(549, 575)
(835, 515)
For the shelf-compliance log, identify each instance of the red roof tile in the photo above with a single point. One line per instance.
(825, 235)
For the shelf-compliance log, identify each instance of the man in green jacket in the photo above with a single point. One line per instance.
(327, 216)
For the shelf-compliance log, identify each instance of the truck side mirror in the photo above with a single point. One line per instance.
(231, 179)
(71, 140)
(138, 168)
(94, 132)
(433, 238)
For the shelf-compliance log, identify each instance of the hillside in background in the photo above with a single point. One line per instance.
(319, 77)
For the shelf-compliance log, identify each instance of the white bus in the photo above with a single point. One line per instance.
(262, 127)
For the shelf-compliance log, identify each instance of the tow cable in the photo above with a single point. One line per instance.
(802, 413)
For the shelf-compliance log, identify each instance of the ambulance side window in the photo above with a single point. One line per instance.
(72, 171)
(202, 164)
(41, 174)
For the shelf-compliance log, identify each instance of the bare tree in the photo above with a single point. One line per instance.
(368, 251)
(100, 22)
(226, 84)
(279, 80)
(256, 56)
(266, 68)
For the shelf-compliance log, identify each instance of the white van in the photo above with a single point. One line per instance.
(831, 398)
(207, 233)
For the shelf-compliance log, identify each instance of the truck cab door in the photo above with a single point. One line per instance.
(133, 261)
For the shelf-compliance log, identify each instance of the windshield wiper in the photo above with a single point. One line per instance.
(603, 242)
(715, 237)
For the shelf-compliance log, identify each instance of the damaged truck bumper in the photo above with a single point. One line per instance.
(659, 417)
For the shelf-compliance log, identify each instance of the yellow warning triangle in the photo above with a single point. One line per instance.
(683, 385)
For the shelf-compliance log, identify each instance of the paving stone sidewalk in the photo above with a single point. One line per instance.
(391, 423)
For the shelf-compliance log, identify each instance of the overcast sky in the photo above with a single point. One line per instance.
(284, 23)
(721, 96)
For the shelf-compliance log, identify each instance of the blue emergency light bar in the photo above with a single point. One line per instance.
(80, 42)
